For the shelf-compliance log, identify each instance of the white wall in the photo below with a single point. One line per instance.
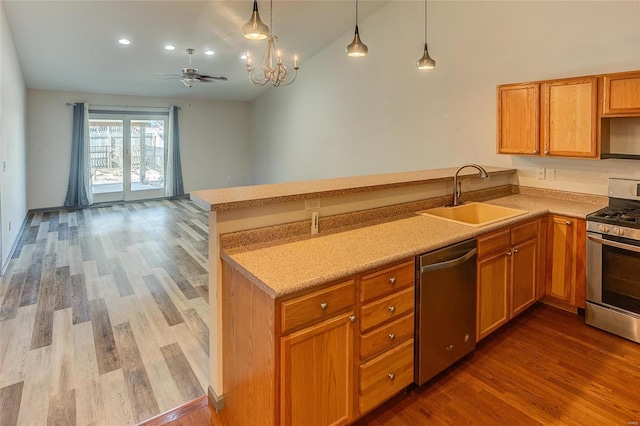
(13, 177)
(352, 116)
(214, 141)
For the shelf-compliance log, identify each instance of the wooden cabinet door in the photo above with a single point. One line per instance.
(523, 276)
(570, 117)
(492, 297)
(622, 94)
(317, 374)
(518, 119)
(560, 258)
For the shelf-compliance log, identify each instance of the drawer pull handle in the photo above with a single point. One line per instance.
(392, 309)
(392, 376)
(324, 306)
(392, 336)
(392, 280)
(352, 318)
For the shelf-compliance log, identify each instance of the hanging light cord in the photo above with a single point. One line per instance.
(356, 13)
(425, 21)
(271, 17)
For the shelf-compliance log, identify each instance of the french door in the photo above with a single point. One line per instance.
(127, 155)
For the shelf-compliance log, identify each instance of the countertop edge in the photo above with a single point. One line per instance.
(221, 199)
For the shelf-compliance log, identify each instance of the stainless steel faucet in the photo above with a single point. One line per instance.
(457, 190)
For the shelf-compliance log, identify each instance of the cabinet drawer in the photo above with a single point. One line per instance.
(524, 232)
(316, 306)
(387, 308)
(386, 281)
(385, 375)
(385, 337)
(493, 242)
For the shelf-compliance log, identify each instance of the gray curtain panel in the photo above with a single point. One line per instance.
(175, 186)
(79, 192)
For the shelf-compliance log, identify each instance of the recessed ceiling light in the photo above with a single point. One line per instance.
(124, 41)
(244, 56)
(209, 52)
(170, 47)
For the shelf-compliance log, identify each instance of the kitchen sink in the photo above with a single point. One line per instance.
(473, 214)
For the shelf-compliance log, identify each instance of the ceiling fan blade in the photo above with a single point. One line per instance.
(167, 73)
(209, 77)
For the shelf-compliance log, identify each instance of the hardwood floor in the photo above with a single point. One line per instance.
(544, 368)
(103, 315)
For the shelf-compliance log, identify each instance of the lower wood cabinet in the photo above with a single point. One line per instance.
(507, 278)
(322, 357)
(317, 374)
(566, 253)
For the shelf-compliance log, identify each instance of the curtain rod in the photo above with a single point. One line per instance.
(121, 106)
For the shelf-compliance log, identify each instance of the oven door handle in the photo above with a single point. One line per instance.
(613, 244)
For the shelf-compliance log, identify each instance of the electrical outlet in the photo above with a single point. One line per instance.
(540, 172)
(314, 223)
(551, 174)
(4, 166)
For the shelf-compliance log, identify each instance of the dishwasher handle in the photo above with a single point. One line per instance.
(449, 263)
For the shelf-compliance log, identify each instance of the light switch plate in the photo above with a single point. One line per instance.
(540, 172)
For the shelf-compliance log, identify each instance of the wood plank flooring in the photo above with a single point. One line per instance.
(546, 367)
(101, 315)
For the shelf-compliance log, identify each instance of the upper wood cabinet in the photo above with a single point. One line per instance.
(518, 119)
(570, 117)
(621, 94)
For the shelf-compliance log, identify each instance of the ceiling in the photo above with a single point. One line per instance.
(73, 45)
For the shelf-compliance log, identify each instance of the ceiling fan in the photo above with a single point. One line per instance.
(190, 76)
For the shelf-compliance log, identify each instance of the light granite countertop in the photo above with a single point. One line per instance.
(257, 195)
(283, 269)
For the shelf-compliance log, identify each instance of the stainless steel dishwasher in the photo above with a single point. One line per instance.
(445, 308)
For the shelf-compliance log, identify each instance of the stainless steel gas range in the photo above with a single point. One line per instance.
(613, 262)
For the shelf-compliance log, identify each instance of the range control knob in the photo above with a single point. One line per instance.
(618, 231)
(604, 228)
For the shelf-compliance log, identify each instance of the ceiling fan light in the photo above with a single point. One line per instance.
(357, 48)
(426, 62)
(189, 82)
(255, 29)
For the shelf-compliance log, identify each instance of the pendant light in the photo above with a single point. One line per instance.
(255, 29)
(425, 62)
(357, 48)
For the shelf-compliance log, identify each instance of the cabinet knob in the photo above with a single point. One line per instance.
(515, 250)
(450, 348)
(546, 152)
(509, 253)
(569, 223)
(392, 280)
(392, 376)
(324, 306)
(392, 336)
(352, 318)
(392, 309)
(535, 151)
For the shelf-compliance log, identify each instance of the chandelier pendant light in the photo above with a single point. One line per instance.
(255, 29)
(425, 62)
(271, 69)
(357, 48)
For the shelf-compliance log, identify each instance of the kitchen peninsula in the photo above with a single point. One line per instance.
(366, 223)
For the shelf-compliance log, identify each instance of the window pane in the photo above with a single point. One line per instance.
(105, 151)
(147, 154)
